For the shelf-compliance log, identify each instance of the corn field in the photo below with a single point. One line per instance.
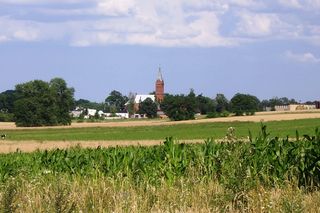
(231, 173)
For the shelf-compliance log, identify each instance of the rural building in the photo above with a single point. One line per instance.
(295, 107)
(158, 97)
(140, 98)
(111, 116)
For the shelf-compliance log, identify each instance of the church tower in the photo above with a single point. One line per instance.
(159, 87)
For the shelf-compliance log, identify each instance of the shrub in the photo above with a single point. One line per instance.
(6, 117)
(212, 115)
(224, 114)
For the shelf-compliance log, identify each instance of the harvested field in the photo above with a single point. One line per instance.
(30, 146)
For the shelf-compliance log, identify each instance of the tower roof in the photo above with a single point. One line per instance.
(159, 75)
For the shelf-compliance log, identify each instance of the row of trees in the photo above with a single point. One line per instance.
(39, 103)
(184, 107)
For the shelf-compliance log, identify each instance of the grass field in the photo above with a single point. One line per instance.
(214, 130)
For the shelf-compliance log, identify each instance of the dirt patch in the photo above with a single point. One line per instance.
(30, 146)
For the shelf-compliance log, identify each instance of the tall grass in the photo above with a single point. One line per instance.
(103, 194)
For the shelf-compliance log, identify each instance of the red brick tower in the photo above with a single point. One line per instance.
(159, 87)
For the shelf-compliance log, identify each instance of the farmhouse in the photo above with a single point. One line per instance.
(86, 111)
(295, 107)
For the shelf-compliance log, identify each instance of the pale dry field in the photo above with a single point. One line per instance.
(29, 146)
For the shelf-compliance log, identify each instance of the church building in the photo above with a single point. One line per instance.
(159, 87)
(157, 97)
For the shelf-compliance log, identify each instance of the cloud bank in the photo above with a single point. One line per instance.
(165, 23)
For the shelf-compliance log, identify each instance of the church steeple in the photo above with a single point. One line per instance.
(159, 87)
(160, 75)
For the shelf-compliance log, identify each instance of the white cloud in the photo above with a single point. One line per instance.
(156, 24)
(18, 30)
(301, 4)
(115, 7)
(290, 3)
(314, 4)
(257, 24)
(152, 22)
(304, 57)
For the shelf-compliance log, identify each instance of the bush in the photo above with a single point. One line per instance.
(224, 114)
(212, 115)
(6, 117)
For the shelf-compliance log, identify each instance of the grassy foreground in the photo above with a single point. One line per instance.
(266, 174)
(179, 131)
(60, 194)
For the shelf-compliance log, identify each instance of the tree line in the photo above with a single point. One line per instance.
(40, 103)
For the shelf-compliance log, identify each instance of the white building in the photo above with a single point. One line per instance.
(140, 98)
(295, 107)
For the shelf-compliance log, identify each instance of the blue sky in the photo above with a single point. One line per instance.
(265, 48)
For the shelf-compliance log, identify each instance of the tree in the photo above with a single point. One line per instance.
(244, 103)
(83, 103)
(7, 99)
(63, 99)
(148, 107)
(222, 103)
(205, 105)
(35, 105)
(39, 103)
(116, 101)
(179, 107)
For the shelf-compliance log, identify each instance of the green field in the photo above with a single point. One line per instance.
(180, 131)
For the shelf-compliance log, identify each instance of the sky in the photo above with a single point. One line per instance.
(264, 48)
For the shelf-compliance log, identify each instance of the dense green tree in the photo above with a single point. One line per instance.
(63, 99)
(222, 103)
(7, 99)
(39, 103)
(205, 105)
(244, 103)
(35, 105)
(116, 101)
(179, 107)
(148, 107)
